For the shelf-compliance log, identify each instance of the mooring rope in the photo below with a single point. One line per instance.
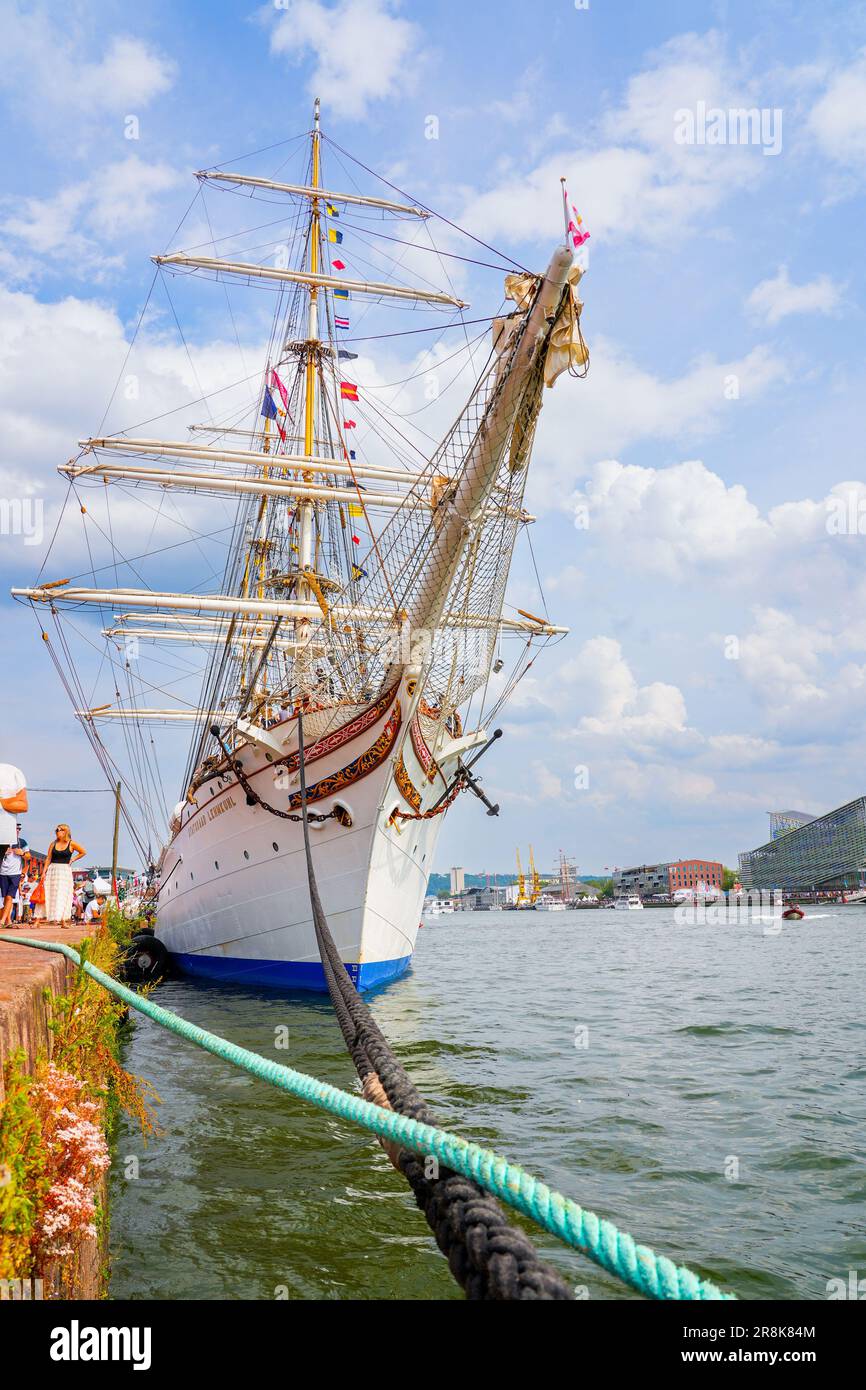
(488, 1257)
(611, 1249)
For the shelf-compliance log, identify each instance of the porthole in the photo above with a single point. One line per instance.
(246, 854)
(190, 876)
(216, 863)
(276, 847)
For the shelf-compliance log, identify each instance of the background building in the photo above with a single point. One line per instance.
(645, 879)
(695, 873)
(458, 880)
(666, 879)
(783, 821)
(828, 851)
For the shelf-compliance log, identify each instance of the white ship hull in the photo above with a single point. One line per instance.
(234, 898)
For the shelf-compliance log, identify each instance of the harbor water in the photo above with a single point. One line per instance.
(704, 1086)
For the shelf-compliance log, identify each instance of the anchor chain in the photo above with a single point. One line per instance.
(337, 813)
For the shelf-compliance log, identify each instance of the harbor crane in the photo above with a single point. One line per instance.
(535, 881)
(521, 882)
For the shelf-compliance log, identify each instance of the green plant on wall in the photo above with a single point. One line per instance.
(23, 1182)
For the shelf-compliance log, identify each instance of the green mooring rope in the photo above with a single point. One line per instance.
(636, 1265)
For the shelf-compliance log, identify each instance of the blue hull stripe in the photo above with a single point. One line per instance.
(287, 974)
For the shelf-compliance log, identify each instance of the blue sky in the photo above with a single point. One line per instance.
(717, 658)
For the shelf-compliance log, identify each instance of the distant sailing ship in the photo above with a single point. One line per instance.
(363, 593)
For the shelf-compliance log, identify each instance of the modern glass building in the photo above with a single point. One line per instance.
(827, 852)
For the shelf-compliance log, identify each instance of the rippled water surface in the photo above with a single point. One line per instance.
(708, 1049)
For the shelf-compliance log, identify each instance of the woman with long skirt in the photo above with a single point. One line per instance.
(63, 852)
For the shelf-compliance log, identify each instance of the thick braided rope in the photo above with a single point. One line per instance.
(489, 1257)
(611, 1249)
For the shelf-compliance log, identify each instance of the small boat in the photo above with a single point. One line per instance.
(549, 905)
(793, 913)
(629, 903)
(436, 908)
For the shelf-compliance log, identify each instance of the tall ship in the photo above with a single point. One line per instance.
(363, 585)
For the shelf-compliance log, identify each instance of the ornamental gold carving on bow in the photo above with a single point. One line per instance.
(358, 768)
(405, 785)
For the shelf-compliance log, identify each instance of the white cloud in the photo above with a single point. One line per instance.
(621, 403)
(59, 363)
(684, 521)
(773, 300)
(129, 76)
(45, 69)
(799, 674)
(743, 750)
(799, 654)
(838, 117)
(362, 50)
(569, 579)
(70, 227)
(782, 658)
(629, 176)
(546, 785)
(673, 521)
(595, 693)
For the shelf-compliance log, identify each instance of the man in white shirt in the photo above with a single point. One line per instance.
(11, 868)
(13, 801)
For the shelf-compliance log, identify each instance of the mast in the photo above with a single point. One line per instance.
(305, 532)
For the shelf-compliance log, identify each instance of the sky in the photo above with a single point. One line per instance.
(700, 497)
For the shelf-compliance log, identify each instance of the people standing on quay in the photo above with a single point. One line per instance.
(11, 869)
(63, 852)
(28, 883)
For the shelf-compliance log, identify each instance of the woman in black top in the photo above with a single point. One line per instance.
(57, 875)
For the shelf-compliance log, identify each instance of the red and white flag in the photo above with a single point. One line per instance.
(284, 395)
(573, 221)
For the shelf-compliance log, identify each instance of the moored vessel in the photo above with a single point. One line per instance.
(362, 592)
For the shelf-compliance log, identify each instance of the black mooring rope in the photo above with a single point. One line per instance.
(488, 1257)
